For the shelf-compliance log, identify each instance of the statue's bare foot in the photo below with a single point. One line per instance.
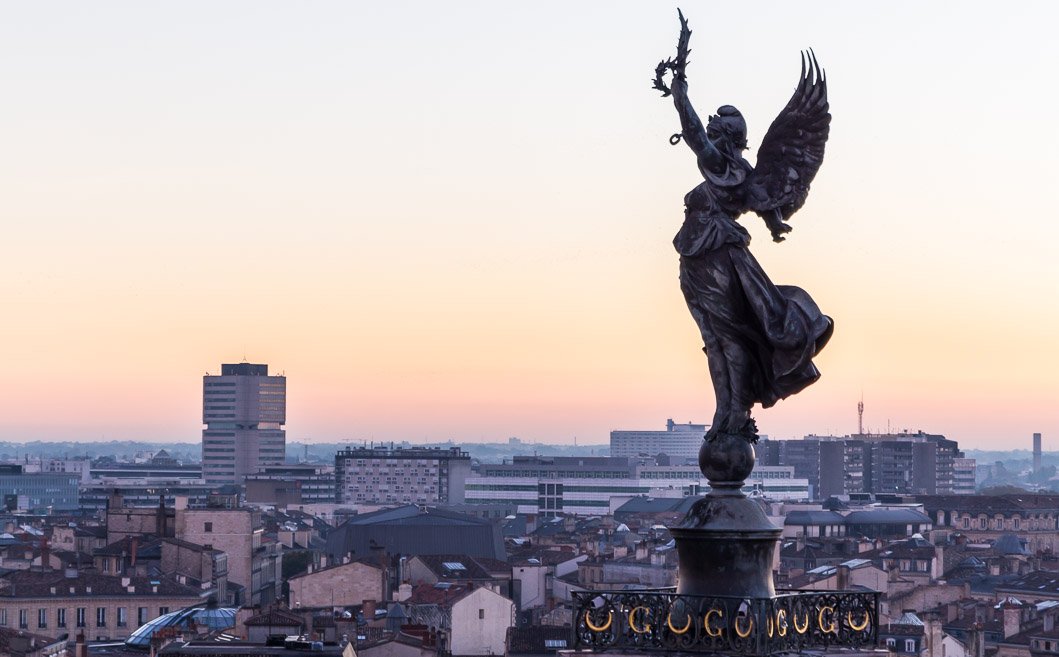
(740, 423)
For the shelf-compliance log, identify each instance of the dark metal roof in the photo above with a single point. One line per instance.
(1038, 582)
(812, 518)
(887, 517)
(458, 567)
(35, 584)
(1009, 544)
(411, 530)
(274, 618)
(656, 505)
(542, 640)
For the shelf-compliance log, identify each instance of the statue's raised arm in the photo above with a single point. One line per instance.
(691, 129)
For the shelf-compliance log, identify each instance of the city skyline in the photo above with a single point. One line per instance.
(454, 222)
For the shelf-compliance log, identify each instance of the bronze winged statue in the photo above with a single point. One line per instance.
(760, 337)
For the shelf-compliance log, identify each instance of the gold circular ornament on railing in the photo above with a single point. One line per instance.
(683, 630)
(863, 626)
(750, 628)
(599, 628)
(632, 621)
(710, 631)
(803, 627)
(830, 627)
(781, 622)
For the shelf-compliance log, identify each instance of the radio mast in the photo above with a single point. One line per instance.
(860, 415)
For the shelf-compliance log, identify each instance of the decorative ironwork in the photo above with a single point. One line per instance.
(661, 620)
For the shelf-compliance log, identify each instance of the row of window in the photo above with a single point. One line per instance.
(1016, 524)
(553, 474)
(80, 617)
(388, 480)
(910, 644)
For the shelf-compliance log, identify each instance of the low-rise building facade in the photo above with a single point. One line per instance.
(341, 585)
(54, 603)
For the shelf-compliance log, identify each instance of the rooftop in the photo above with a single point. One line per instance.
(55, 583)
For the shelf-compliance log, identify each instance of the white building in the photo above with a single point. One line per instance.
(680, 442)
(476, 619)
(552, 486)
(964, 471)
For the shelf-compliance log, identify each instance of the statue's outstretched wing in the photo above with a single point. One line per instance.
(793, 148)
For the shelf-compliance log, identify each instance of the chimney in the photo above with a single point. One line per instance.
(952, 611)
(159, 527)
(842, 577)
(80, 647)
(367, 608)
(1012, 617)
(135, 546)
(977, 647)
(934, 634)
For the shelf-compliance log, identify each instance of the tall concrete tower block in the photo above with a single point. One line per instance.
(244, 410)
(1036, 453)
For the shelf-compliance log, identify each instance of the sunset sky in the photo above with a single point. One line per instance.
(453, 220)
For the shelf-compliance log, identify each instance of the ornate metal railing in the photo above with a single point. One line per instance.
(661, 620)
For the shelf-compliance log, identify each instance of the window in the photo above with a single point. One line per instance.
(141, 616)
(208, 527)
(80, 617)
(983, 523)
(101, 616)
(42, 618)
(481, 614)
(23, 619)
(966, 522)
(1015, 523)
(162, 611)
(3, 617)
(60, 617)
(123, 619)
(910, 645)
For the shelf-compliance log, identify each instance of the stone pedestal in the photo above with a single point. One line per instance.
(726, 544)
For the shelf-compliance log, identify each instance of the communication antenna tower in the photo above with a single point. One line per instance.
(860, 415)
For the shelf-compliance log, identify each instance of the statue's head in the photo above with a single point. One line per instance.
(728, 124)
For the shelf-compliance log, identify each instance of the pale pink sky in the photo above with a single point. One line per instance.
(453, 220)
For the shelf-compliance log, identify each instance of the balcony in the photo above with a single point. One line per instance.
(661, 620)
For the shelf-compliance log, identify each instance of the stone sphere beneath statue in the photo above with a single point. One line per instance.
(727, 458)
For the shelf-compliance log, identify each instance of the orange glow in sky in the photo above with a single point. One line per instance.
(453, 220)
